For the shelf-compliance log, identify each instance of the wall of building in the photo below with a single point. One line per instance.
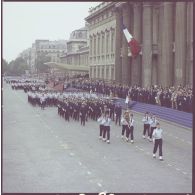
(164, 31)
(102, 43)
(77, 50)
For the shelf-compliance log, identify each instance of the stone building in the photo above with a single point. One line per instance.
(76, 57)
(164, 31)
(53, 49)
(102, 30)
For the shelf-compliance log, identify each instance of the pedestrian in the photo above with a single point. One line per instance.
(157, 139)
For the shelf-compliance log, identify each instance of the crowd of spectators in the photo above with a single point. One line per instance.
(179, 97)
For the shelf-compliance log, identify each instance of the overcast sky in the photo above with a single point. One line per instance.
(24, 22)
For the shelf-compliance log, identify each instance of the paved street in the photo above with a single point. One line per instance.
(44, 153)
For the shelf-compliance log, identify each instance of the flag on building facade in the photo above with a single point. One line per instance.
(133, 44)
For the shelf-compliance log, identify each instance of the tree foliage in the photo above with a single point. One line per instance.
(5, 67)
(16, 67)
(41, 59)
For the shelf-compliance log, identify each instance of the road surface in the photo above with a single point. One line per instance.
(44, 153)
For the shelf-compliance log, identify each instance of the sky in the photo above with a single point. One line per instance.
(24, 22)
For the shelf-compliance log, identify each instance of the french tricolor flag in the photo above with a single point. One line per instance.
(133, 44)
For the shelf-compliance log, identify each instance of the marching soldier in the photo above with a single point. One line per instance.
(157, 139)
(118, 112)
(153, 122)
(42, 101)
(125, 121)
(130, 129)
(83, 112)
(111, 107)
(146, 121)
(101, 121)
(107, 123)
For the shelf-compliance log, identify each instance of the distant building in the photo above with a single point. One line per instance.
(53, 49)
(76, 57)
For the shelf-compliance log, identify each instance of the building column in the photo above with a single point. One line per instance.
(109, 41)
(100, 48)
(166, 67)
(110, 73)
(180, 43)
(125, 59)
(97, 62)
(147, 45)
(105, 71)
(94, 72)
(118, 45)
(136, 62)
(100, 69)
(90, 72)
(189, 57)
(92, 47)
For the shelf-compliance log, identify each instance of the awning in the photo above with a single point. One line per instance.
(81, 68)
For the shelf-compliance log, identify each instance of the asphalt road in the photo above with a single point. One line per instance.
(44, 153)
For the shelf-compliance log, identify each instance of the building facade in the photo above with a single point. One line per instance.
(51, 49)
(164, 31)
(77, 54)
(102, 27)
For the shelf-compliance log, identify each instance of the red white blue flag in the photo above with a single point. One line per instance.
(133, 44)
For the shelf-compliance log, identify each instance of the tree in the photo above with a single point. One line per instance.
(5, 67)
(41, 59)
(17, 67)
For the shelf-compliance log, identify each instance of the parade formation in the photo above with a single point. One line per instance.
(97, 97)
(84, 106)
